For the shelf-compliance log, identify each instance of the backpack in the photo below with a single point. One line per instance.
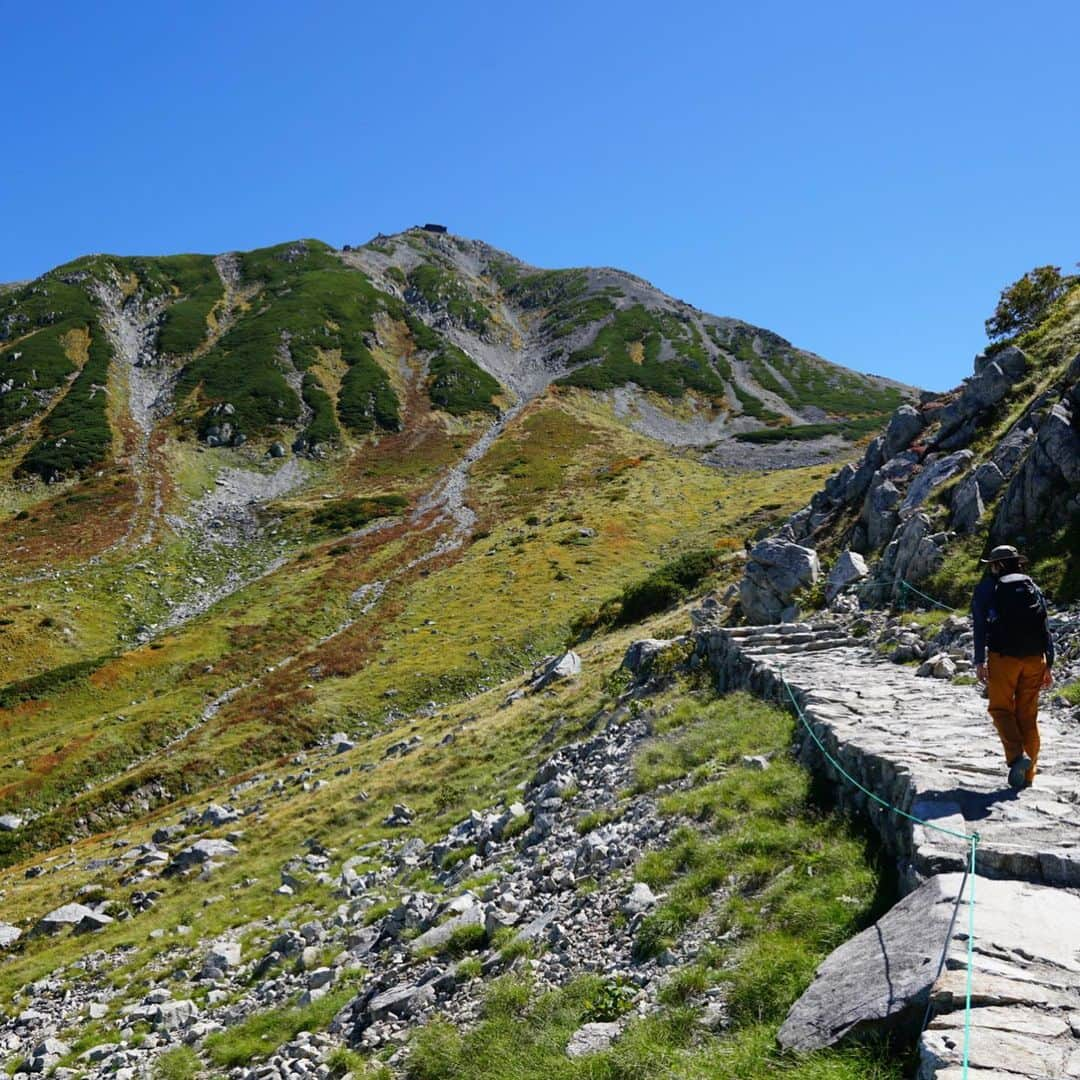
(1018, 618)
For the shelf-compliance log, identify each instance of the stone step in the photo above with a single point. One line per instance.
(816, 645)
(742, 633)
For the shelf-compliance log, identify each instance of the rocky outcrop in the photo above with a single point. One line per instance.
(895, 506)
(776, 570)
(1047, 486)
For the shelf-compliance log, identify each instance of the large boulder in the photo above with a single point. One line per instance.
(914, 552)
(849, 568)
(904, 425)
(775, 571)
(75, 916)
(879, 979)
(880, 516)
(8, 934)
(201, 853)
(972, 495)
(554, 669)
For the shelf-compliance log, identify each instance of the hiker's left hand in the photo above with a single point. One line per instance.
(1048, 679)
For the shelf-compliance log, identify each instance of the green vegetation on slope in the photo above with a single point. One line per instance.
(628, 349)
(459, 385)
(781, 880)
(563, 293)
(76, 434)
(35, 349)
(185, 323)
(309, 303)
(441, 290)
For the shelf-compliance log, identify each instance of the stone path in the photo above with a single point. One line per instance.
(929, 748)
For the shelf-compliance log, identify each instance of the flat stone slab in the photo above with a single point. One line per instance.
(1025, 982)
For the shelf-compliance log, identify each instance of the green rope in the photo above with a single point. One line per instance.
(937, 603)
(972, 839)
(966, 837)
(970, 955)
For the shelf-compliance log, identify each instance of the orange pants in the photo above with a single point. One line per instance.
(1014, 683)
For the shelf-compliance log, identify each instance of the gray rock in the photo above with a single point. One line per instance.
(1035, 501)
(639, 656)
(848, 569)
(904, 425)
(640, 900)
(775, 571)
(10, 822)
(174, 1015)
(592, 1038)
(554, 669)
(67, 915)
(95, 920)
(218, 815)
(399, 815)
(403, 1002)
(439, 935)
(200, 853)
(938, 666)
(222, 956)
(935, 472)
(879, 513)
(972, 494)
(277, 450)
(8, 934)
(879, 979)
(914, 552)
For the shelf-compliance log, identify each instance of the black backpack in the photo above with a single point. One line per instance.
(1018, 619)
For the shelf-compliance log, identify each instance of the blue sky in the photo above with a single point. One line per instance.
(861, 178)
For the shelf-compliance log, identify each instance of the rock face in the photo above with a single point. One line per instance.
(935, 474)
(849, 568)
(775, 571)
(882, 977)
(1047, 482)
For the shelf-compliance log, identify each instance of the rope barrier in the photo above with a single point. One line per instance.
(905, 588)
(972, 839)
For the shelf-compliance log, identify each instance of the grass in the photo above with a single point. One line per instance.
(785, 881)
(180, 1063)
(343, 515)
(665, 586)
(1070, 692)
(257, 1037)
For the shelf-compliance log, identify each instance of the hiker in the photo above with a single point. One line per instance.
(1009, 614)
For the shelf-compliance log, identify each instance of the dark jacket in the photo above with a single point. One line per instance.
(983, 616)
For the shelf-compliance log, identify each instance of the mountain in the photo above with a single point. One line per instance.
(294, 544)
(994, 461)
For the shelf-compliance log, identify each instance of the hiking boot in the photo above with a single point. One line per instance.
(1018, 772)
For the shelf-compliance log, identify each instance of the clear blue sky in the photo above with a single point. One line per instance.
(861, 178)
